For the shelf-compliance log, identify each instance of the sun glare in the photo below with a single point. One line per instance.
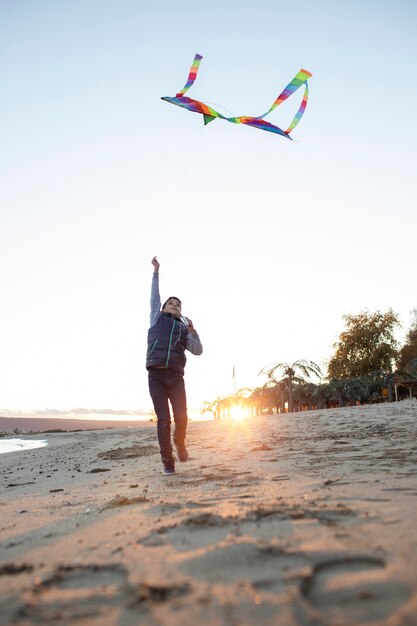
(237, 413)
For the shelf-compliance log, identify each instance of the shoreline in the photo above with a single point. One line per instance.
(33, 425)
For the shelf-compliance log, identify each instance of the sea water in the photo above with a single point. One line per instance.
(14, 445)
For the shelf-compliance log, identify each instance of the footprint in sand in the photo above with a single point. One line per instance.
(132, 452)
(201, 530)
(92, 592)
(263, 566)
(355, 589)
(10, 569)
(159, 593)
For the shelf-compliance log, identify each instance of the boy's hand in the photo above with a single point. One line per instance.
(155, 264)
(191, 328)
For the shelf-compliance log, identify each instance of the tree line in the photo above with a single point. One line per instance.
(368, 365)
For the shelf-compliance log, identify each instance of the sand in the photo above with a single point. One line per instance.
(301, 519)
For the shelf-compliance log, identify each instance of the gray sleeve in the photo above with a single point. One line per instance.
(155, 298)
(194, 344)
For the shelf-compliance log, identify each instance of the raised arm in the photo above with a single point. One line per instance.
(155, 297)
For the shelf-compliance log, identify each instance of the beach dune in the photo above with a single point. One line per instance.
(300, 519)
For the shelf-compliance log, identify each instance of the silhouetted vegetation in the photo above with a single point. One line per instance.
(368, 366)
(366, 345)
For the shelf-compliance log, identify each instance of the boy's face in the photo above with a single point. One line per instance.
(173, 306)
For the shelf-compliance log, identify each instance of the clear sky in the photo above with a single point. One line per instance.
(267, 242)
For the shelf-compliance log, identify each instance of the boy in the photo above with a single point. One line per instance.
(168, 338)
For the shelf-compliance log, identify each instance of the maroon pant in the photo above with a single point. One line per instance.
(166, 387)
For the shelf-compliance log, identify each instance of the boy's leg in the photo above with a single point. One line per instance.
(178, 400)
(158, 388)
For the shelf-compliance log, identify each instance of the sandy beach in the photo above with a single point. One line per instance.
(300, 519)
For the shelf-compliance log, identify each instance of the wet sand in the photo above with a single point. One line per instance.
(302, 519)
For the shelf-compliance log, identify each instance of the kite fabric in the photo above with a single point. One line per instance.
(210, 114)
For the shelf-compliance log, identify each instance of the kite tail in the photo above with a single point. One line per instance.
(298, 80)
(300, 111)
(191, 76)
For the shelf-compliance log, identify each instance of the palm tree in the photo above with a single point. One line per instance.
(304, 396)
(222, 406)
(291, 375)
(255, 400)
(216, 407)
(348, 391)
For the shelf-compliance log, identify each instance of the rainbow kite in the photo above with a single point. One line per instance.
(210, 114)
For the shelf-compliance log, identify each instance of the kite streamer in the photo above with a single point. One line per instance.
(300, 111)
(192, 75)
(210, 114)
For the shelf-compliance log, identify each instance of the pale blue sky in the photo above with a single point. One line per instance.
(267, 242)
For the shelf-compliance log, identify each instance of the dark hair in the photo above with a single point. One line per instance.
(171, 298)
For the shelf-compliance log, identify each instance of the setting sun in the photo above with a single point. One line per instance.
(237, 413)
